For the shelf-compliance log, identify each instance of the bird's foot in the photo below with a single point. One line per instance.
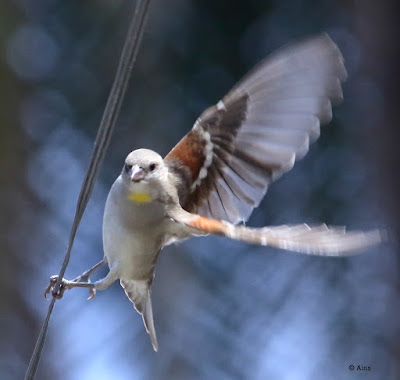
(81, 281)
(56, 294)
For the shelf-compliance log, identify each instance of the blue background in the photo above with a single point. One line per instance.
(222, 309)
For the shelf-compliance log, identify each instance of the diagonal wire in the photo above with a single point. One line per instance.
(106, 128)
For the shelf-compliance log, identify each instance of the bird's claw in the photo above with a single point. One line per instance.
(65, 285)
(56, 294)
(85, 278)
(92, 293)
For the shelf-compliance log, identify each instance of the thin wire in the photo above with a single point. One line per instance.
(106, 128)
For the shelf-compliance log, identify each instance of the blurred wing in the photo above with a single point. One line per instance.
(313, 240)
(257, 131)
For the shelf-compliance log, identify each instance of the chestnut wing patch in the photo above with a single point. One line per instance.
(190, 152)
(201, 155)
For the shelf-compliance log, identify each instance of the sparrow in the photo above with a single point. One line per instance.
(219, 172)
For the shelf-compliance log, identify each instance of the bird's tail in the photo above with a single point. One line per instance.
(140, 295)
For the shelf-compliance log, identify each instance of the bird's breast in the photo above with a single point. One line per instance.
(132, 234)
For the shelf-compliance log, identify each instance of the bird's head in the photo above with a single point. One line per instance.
(145, 174)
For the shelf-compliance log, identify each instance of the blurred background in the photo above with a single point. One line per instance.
(223, 310)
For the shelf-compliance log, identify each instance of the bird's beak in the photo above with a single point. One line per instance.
(137, 173)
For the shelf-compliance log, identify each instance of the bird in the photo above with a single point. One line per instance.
(211, 181)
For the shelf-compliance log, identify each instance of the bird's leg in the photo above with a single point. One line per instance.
(84, 277)
(82, 281)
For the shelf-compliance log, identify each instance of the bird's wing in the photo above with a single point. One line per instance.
(319, 240)
(257, 131)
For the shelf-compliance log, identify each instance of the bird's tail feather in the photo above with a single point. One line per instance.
(140, 295)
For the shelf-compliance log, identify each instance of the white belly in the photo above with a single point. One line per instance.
(134, 252)
(132, 236)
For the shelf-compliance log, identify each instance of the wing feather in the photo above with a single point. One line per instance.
(258, 130)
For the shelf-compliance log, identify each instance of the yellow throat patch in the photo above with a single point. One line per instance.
(140, 197)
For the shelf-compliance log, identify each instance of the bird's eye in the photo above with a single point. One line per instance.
(127, 167)
(152, 167)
